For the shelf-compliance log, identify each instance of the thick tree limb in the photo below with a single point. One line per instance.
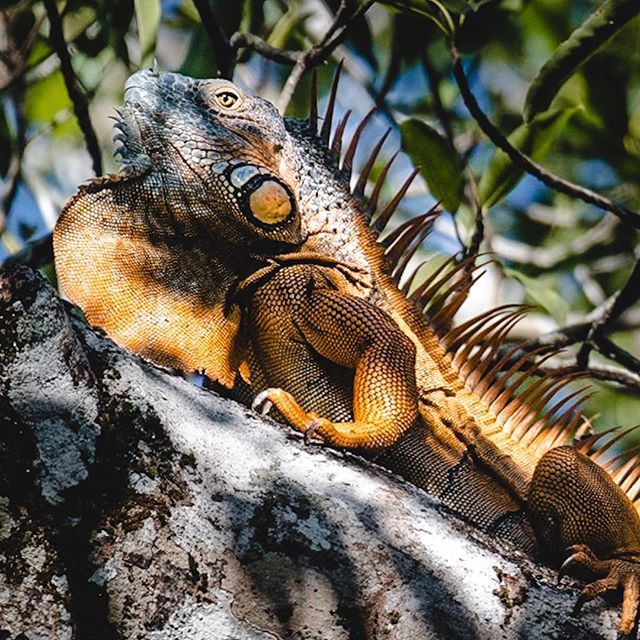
(135, 505)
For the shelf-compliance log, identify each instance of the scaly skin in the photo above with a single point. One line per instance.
(233, 246)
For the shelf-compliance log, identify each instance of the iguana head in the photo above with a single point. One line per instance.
(220, 155)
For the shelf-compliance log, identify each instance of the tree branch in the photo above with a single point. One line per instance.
(525, 162)
(610, 311)
(80, 105)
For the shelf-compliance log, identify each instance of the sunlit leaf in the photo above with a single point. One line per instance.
(46, 98)
(439, 162)
(148, 14)
(603, 24)
(535, 140)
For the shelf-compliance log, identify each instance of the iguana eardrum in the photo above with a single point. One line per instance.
(233, 245)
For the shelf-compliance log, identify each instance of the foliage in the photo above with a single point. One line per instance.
(560, 81)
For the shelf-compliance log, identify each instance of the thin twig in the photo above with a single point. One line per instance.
(335, 35)
(525, 162)
(393, 68)
(303, 61)
(19, 53)
(546, 258)
(478, 230)
(251, 41)
(612, 351)
(225, 53)
(13, 58)
(611, 310)
(80, 105)
(14, 171)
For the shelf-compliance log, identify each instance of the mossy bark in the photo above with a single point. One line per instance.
(136, 505)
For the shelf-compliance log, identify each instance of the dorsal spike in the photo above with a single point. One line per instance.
(509, 389)
(486, 388)
(402, 265)
(336, 145)
(623, 463)
(456, 279)
(588, 443)
(485, 368)
(372, 204)
(450, 303)
(328, 114)
(480, 340)
(347, 163)
(312, 120)
(538, 402)
(358, 190)
(428, 282)
(406, 247)
(596, 456)
(381, 220)
(408, 226)
(487, 351)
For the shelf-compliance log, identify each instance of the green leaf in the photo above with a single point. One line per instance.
(601, 25)
(535, 140)
(46, 98)
(541, 293)
(148, 14)
(439, 161)
(200, 61)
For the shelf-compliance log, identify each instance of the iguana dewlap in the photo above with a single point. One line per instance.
(233, 245)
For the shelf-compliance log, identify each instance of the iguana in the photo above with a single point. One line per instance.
(232, 244)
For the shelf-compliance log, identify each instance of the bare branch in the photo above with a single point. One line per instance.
(604, 372)
(251, 41)
(550, 257)
(80, 105)
(525, 162)
(13, 59)
(611, 310)
(14, 171)
(303, 61)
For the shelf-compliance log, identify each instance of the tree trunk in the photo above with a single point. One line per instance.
(136, 505)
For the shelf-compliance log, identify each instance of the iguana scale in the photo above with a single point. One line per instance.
(233, 245)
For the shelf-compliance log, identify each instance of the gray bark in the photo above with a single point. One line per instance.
(136, 505)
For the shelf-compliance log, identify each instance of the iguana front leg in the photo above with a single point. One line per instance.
(575, 506)
(299, 322)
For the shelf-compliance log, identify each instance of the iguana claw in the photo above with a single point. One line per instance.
(261, 403)
(613, 574)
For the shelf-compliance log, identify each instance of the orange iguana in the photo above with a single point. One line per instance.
(232, 245)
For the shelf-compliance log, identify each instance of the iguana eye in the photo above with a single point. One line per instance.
(227, 98)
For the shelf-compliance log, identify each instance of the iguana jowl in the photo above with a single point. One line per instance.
(232, 244)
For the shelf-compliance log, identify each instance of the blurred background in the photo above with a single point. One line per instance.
(569, 258)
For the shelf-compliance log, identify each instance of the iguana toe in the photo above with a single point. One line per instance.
(613, 574)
